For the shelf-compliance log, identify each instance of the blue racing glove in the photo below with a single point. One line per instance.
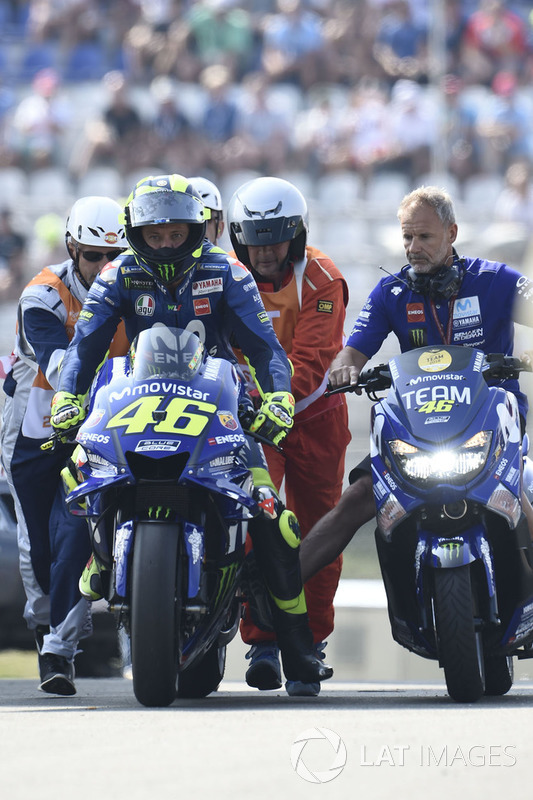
(67, 411)
(275, 417)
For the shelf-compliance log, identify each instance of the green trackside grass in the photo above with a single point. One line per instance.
(18, 664)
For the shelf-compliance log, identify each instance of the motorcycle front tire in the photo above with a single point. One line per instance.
(155, 613)
(459, 644)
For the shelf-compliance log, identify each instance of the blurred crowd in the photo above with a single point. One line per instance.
(219, 86)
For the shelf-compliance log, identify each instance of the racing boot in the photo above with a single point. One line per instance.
(301, 689)
(275, 535)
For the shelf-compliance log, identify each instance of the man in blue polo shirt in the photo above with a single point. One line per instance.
(437, 298)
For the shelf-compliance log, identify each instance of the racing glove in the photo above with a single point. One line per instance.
(67, 411)
(275, 417)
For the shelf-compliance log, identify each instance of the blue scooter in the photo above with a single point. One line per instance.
(449, 465)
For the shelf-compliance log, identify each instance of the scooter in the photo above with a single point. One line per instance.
(449, 465)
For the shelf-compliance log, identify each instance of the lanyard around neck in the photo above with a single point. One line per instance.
(446, 337)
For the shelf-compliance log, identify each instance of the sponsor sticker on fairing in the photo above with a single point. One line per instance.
(228, 438)
(165, 445)
(227, 419)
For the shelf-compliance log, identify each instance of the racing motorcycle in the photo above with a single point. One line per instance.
(448, 467)
(168, 501)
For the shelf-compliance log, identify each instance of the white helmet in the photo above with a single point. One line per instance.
(95, 221)
(209, 193)
(268, 211)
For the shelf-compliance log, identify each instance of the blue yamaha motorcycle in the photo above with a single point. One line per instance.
(448, 470)
(168, 500)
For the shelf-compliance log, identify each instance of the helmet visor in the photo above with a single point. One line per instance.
(155, 208)
(267, 231)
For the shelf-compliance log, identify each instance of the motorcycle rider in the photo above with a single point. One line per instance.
(306, 296)
(212, 199)
(172, 274)
(437, 298)
(53, 545)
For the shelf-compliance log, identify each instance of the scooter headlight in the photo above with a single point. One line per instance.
(455, 465)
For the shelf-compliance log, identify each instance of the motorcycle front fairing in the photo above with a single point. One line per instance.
(157, 417)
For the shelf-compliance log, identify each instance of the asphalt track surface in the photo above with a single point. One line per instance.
(368, 741)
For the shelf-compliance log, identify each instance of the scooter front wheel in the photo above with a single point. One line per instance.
(459, 644)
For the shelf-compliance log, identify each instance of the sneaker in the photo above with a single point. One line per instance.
(264, 671)
(301, 689)
(91, 583)
(57, 674)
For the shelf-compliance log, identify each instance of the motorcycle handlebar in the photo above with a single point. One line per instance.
(372, 380)
(497, 366)
(500, 367)
(60, 437)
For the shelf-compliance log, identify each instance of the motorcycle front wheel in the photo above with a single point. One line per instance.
(154, 613)
(459, 644)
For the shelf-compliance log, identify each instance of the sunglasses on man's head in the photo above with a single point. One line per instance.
(94, 255)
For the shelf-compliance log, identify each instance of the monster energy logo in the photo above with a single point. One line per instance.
(452, 547)
(226, 579)
(166, 271)
(418, 337)
(159, 512)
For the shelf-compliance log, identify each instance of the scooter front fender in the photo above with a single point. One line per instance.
(439, 552)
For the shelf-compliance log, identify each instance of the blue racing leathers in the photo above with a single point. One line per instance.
(490, 298)
(218, 297)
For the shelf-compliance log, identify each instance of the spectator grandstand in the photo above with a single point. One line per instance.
(95, 93)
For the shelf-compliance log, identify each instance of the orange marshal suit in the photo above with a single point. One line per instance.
(308, 314)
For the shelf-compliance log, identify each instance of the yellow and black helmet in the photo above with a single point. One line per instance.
(159, 199)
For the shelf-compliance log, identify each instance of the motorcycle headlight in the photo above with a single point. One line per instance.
(452, 465)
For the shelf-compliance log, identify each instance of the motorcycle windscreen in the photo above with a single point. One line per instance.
(161, 351)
